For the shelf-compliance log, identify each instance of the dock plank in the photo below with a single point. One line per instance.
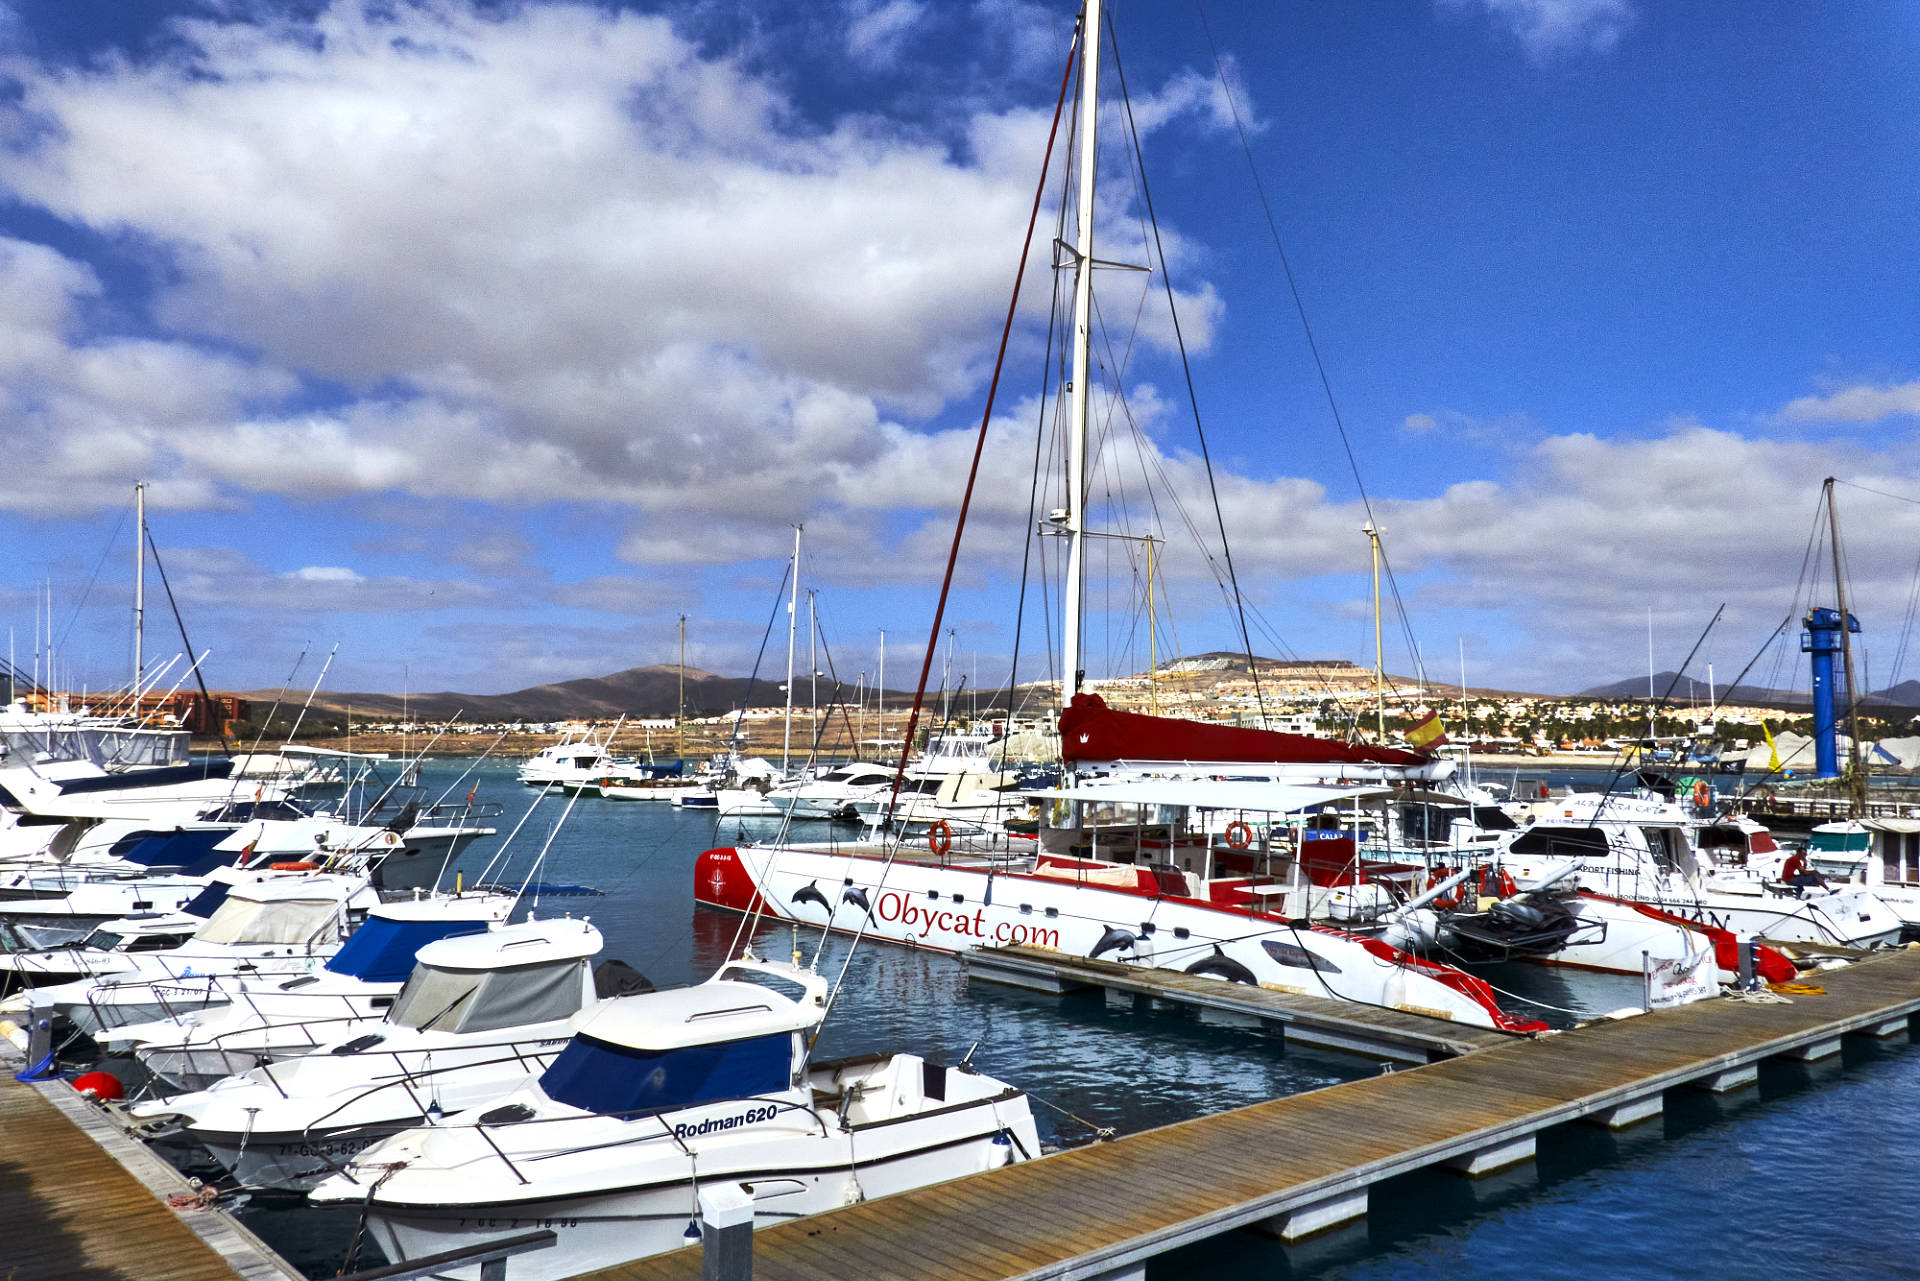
(1061, 1216)
(76, 1214)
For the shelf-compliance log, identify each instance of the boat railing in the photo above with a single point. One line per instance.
(492, 1257)
(519, 1052)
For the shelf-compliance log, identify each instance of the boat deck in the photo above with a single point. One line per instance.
(1400, 1036)
(1298, 1165)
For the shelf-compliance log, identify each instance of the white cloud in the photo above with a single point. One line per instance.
(1549, 29)
(326, 574)
(551, 254)
(1861, 403)
(875, 32)
(1419, 422)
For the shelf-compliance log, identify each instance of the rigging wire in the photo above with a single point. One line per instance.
(1186, 369)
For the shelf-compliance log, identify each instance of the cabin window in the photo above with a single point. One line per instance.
(1292, 954)
(1493, 819)
(1561, 842)
(618, 1080)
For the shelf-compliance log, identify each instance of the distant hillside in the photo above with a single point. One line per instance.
(1690, 686)
(638, 691)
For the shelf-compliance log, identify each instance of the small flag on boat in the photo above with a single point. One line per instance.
(1427, 732)
(1773, 750)
(471, 793)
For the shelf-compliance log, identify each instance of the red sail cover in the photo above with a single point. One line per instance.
(1092, 731)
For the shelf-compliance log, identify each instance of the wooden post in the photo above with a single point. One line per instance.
(726, 1233)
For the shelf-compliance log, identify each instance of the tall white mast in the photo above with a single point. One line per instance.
(880, 704)
(139, 584)
(1082, 349)
(793, 620)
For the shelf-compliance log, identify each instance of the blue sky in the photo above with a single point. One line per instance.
(484, 340)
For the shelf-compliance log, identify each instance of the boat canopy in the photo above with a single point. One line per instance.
(1840, 838)
(449, 1000)
(599, 1076)
(383, 949)
(195, 850)
(1251, 795)
(275, 920)
(1092, 731)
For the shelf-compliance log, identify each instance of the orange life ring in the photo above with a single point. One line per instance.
(301, 866)
(1239, 835)
(1702, 794)
(940, 837)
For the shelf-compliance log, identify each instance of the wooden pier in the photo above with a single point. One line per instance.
(1398, 1036)
(1300, 1165)
(84, 1202)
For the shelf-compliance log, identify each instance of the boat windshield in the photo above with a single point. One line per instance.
(449, 1000)
(294, 920)
(617, 1080)
(103, 940)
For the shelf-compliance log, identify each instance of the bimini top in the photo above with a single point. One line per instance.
(721, 1009)
(531, 943)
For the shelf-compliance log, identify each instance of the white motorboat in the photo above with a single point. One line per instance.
(1880, 854)
(572, 764)
(662, 1094)
(478, 1016)
(284, 925)
(274, 1017)
(1636, 849)
(834, 793)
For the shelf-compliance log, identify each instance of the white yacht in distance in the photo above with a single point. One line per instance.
(661, 1094)
(572, 764)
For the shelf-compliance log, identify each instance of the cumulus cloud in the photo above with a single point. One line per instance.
(1861, 403)
(541, 254)
(1550, 29)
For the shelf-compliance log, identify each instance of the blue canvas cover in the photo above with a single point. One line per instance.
(615, 1080)
(382, 950)
(192, 851)
(203, 903)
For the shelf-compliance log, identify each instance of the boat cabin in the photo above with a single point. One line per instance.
(536, 972)
(1876, 851)
(742, 1034)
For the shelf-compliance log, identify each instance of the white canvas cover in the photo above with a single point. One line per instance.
(293, 920)
(486, 1000)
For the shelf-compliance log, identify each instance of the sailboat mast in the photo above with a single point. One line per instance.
(793, 620)
(880, 703)
(139, 585)
(680, 707)
(1856, 776)
(1072, 671)
(1379, 650)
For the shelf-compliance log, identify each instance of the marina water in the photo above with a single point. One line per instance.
(1814, 1175)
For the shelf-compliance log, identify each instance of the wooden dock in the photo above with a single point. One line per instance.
(1299, 1165)
(83, 1202)
(1398, 1036)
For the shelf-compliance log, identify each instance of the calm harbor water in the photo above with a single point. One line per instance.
(1798, 1180)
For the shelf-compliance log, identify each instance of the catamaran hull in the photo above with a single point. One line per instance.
(599, 1230)
(954, 908)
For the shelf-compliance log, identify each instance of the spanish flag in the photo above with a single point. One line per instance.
(1428, 733)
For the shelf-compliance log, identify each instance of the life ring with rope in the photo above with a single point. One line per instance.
(1239, 835)
(940, 838)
